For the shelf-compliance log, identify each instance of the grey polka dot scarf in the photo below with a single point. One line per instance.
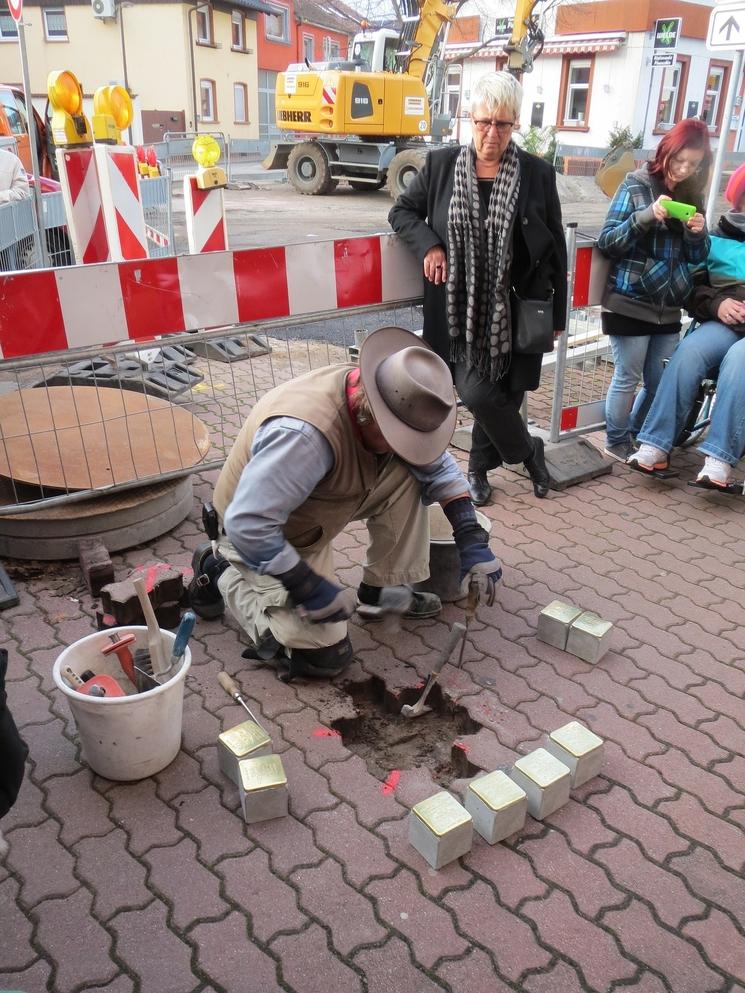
(479, 264)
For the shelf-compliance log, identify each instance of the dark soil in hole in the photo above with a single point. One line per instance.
(387, 741)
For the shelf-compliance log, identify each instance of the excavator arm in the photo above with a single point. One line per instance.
(526, 42)
(424, 22)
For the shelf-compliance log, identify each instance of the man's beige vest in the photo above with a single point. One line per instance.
(318, 397)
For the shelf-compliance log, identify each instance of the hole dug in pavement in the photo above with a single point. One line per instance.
(387, 741)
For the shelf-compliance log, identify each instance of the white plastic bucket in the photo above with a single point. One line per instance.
(130, 737)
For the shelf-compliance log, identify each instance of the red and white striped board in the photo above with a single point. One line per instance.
(122, 203)
(157, 237)
(53, 310)
(590, 275)
(206, 228)
(81, 194)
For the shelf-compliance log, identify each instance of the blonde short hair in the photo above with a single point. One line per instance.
(498, 90)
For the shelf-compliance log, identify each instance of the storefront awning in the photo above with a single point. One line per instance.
(584, 44)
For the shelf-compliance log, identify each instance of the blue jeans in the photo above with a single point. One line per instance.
(710, 346)
(637, 358)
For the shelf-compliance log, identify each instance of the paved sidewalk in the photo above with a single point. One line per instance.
(159, 887)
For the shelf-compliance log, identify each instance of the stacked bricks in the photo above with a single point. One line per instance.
(571, 629)
(165, 586)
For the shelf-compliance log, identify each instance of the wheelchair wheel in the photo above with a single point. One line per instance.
(700, 416)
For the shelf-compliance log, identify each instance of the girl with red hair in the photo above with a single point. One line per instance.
(649, 279)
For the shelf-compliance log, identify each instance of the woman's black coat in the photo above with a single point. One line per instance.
(539, 262)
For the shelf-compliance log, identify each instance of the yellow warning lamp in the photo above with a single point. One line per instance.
(112, 114)
(69, 124)
(206, 153)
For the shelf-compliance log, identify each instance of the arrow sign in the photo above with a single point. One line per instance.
(16, 9)
(727, 26)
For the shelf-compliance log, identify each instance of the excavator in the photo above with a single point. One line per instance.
(372, 119)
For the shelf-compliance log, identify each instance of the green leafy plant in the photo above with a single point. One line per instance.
(540, 142)
(621, 136)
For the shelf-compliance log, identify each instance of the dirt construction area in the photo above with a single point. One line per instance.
(635, 882)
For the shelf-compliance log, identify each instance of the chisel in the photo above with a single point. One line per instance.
(233, 690)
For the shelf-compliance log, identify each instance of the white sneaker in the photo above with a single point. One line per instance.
(716, 472)
(648, 459)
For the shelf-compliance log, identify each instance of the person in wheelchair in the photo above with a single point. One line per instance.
(718, 302)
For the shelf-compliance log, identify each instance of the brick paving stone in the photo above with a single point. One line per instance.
(432, 881)
(150, 950)
(653, 832)
(423, 922)
(309, 790)
(474, 971)
(723, 648)
(148, 821)
(635, 740)
(67, 925)
(329, 899)
(15, 927)
(675, 672)
(723, 943)
(362, 790)
(122, 984)
(269, 901)
(288, 841)
(642, 780)
(319, 750)
(192, 891)
(662, 951)
(563, 978)
(28, 705)
(43, 863)
(216, 830)
(360, 851)
(733, 770)
(28, 809)
(200, 726)
(308, 966)
(50, 751)
(36, 977)
(389, 968)
(589, 947)
(666, 727)
(227, 955)
(725, 732)
(183, 775)
(510, 940)
(116, 879)
(684, 705)
(80, 810)
(543, 678)
(708, 667)
(508, 871)
(414, 785)
(690, 817)
(553, 860)
(717, 699)
(512, 728)
(581, 826)
(666, 892)
(711, 882)
(33, 632)
(713, 790)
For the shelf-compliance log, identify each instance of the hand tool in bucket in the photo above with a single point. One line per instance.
(120, 647)
(457, 632)
(145, 679)
(151, 660)
(233, 690)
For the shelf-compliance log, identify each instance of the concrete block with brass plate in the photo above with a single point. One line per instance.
(554, 622)
(263, 788)
(589, 637)
(441, 829)
(245, 741)
(579, 748)
(546, 781)
(498, 806)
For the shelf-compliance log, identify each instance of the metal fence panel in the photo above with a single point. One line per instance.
(177, 157)
(156, 204)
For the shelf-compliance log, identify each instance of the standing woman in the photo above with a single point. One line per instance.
(649, 281)
(485, 219)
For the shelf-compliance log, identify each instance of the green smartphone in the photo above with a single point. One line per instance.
(680, 211)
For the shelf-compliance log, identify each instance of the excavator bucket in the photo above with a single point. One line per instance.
(277, 157)
(614, 168)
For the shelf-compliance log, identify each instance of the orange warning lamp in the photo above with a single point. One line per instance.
(112, 114)
(206, 153)
(69, 124)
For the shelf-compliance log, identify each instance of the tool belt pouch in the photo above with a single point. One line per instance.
(532, 325)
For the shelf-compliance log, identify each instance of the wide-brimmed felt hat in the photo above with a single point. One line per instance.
(411, 395)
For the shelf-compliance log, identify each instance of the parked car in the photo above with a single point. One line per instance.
(14, 124)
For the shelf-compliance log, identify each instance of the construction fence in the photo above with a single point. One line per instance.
(95, 398)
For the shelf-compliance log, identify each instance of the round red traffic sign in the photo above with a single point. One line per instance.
(15, 7)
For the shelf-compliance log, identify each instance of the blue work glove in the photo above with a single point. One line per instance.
(316, 599)
(477, 561)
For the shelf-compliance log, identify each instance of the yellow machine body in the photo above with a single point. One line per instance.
(337, 102)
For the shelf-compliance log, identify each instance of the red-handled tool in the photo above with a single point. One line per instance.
(120, 647)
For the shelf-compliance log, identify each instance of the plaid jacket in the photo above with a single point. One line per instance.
(651, 258)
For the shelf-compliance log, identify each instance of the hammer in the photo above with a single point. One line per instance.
(417, 709)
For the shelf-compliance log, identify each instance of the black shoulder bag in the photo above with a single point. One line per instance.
(532, 325)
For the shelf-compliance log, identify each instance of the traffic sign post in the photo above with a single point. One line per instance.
(32, 134)
(727, 26)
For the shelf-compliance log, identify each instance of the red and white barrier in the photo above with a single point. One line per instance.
(81, 194)
(206, 228)
(52, 310)
(124, 217)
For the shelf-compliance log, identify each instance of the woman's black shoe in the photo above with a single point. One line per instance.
(536, 466)
(479, 487)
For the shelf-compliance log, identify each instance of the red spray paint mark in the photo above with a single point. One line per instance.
(462, 745)
(389, 786)
(326, 733)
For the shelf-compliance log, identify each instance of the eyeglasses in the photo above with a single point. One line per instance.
(484, 124)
